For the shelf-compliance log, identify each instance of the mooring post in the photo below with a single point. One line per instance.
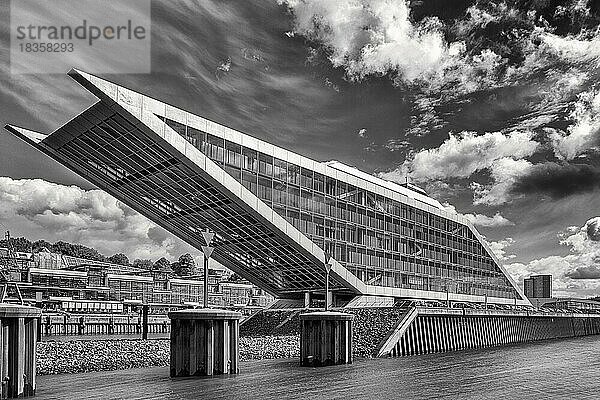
(19, 326)
(145, 309)
(204, 342)
(325, 339)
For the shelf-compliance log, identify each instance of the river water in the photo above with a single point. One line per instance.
(557, 369)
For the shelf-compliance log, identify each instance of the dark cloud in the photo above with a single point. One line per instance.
(157, 235)
(584, 272)
(558, 180)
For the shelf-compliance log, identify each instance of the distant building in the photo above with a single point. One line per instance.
(570, 303)
(78, 284)
(538, 286)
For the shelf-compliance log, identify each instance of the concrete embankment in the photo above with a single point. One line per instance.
(377, 332)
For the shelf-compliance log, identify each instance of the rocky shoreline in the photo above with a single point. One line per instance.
(75, 356)
(268, 335)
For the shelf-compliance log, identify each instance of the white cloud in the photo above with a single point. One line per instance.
(499, 248)
(462, 155)
(477, 19)
(371, 37)
(583, 134)
(572, 48)
(379, 38)
(376, 37)
(480, 219)
(486, 221)
(503, 173)
(45, 210)
(578, 273)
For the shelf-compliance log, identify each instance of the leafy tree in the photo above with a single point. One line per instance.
(162, 265)
(118, 258)
(18, 244)
(41, 244)
(77, 250)
(143, 264)
(185, 266)
(87, 252)
(68, 249)
(63, 248)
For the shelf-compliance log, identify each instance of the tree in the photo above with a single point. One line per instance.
(63, 248)
(87, 252)
(118, 258)
(77, 250)
(162, 265)
(185, 266)
(18, 244)
(143, 264)
(41, 244)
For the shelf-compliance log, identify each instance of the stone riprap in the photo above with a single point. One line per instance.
(59, 357)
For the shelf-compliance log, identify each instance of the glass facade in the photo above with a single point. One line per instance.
(382, 241)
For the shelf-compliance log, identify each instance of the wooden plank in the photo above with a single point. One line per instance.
(217, 351)
(31, 325)
(210, 339)
(202, 336)
(225, 344)
(16, 355)
(174, 344)
(193, 349)
(235, 349)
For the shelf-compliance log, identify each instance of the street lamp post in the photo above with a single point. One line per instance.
(207, 250)
(448, 286)
(327, 270)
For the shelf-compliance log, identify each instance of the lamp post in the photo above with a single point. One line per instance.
(327, 270)
(448, 286)
(207, 250)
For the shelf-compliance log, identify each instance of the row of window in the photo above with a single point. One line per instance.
(237, 159)
(438, 284)
(339, 215)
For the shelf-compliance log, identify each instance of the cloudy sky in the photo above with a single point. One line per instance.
(492, 106)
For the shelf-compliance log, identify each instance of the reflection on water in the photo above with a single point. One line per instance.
(560, 369)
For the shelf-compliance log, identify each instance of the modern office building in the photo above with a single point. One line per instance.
(538, 286)
(275, 213)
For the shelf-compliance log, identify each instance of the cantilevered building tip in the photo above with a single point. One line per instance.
(76, 72)
(28, 135)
